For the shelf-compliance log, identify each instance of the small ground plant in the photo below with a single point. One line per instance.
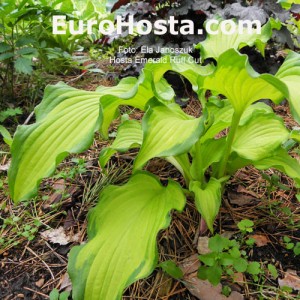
(233, 131)
(226, 257)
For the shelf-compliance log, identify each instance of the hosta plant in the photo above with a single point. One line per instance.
(233, 131)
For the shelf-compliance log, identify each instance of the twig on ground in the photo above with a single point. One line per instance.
(43, 262)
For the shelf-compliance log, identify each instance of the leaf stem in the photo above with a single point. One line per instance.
(233, 128)
(182, 164)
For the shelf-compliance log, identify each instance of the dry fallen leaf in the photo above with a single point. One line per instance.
(40, 282)
(59, 236)
(202, 246)
(227, 234)
(59, 185)
(65, 283)
(291, 279)
(164, 283)
(4, 167)
(203, 289)
(242, 189)
(238, 277)
(260, 240)
(240, 199)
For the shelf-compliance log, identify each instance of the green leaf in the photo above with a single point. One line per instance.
(207, 199)
(6, 135)
(289, 73)
(27, 50)
(167, 131)
(283, 162)
(240, 84)
(64, 295)
(272, 269)
(226, 259)
(172, 269)
(217, 243)
(4, 47)
(129, 91)
(214, 275)
(23, 65)
(25, 41)
(6, 55)
(235, 252)
(129, 136)
(240, 264)
(290, 246)
(54, 295)
(122, 235)
(164, 90)
(260, 136)
(182, 164)
(254, 268)
(205, 154)
(216, 44)
(295, 135)
(245, 225)
(66, 121)
(183, 64)
(223, 116)
(209, 259)
(287, 4)
(202, 272)
(297, 249)
(191, 71)
(9, 112)
(226, 290)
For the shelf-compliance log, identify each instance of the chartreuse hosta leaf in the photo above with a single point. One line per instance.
(205, 154)
(283, 162)
(167, 131)
(66, 121)
(129, 136)
(286, 4)
(295, 135)
(278, 159)
(122, 234)
(223, 116)
(208, 199)
(129, 92)
(215, 44)
(236, 79)
(260, 136)
(289, 73)
(183, 64)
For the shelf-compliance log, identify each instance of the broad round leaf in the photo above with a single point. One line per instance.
(260, 136)
(223, 117)
(236, 79)
(66, 121)
(172, 269)
(289, 73)
(216, 44)
(283, 162)
(167, 131)
(122, 237)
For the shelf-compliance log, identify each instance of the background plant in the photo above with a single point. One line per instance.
(27, 45)
(227, 258)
